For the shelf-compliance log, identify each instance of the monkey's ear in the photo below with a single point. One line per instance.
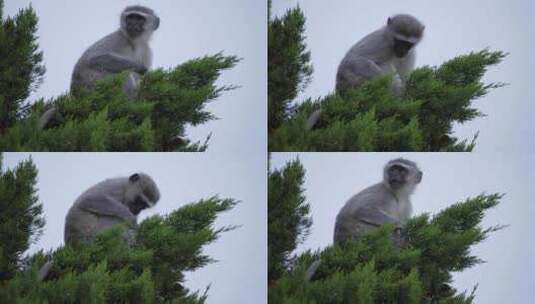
(389, 21)
(134, 177)
(419, 176)
(157, 23)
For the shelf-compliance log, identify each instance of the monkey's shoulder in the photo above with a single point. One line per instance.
(374, 196)
(114, 42)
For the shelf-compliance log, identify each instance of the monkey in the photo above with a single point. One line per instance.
(112, 202)
(109, 203)
(389, 50)
(126, 49)
(387, 202)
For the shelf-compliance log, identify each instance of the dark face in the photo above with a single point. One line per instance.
(135, 24)
(402, 47)
(397, 176)
(137, 205)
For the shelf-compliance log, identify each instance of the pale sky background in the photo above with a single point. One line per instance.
(452, 28)
(332, 178)
(239, 276)
(188, 29)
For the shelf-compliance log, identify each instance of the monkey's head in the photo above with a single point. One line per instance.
(402, 175)
(141, 193)
(405, 32)
(138, 20)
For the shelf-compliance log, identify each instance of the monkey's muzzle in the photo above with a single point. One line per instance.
(402, 47)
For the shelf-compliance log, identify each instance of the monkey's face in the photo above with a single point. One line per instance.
(402, 47)
(135, 24)
(140, 193)
(397, 176)
(138, 204)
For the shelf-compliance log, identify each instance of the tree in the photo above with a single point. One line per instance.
(104, 119)
(288, 216)
(289, 68)
(370, 118)
(107, 270)
(21, 219)
(374, 270)
(21, 69)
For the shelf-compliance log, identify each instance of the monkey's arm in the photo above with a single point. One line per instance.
(115, 63)
(104, 205)
(352, 72)
(375, 217)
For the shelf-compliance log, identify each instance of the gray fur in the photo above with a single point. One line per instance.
(115, 53)
(45, 270)
(373, 207)
(311, 271)
(378, 205)
(46, 117)
(313, 119)
(374, 56)
(107, 204)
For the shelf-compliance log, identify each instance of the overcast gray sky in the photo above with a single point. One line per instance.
(332, 178)
(188, 29)
(239, 276)
(452, 28)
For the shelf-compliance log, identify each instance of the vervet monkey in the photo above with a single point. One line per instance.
(112, 202)
(109, 203)
(126, 49)
(387, 202)
(389, 50)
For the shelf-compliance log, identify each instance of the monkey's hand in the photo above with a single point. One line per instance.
(398, 238)
(141, 69)
(397, 85)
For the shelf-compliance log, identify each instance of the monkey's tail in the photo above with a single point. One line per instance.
(44, 271)
(46, 117)
(313, 120)
(311, 271)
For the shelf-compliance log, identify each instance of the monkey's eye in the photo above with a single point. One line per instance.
(397, 169)
(403, 44)
(135, 17)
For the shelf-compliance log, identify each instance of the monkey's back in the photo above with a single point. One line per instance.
(364, 60)
(82, 225)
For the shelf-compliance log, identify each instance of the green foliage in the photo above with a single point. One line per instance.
(288, 216)
(21, 219)
(289, 68)
(370, 118)
(21, 70)
(110, 271)
(373, 270)
(105, 120)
